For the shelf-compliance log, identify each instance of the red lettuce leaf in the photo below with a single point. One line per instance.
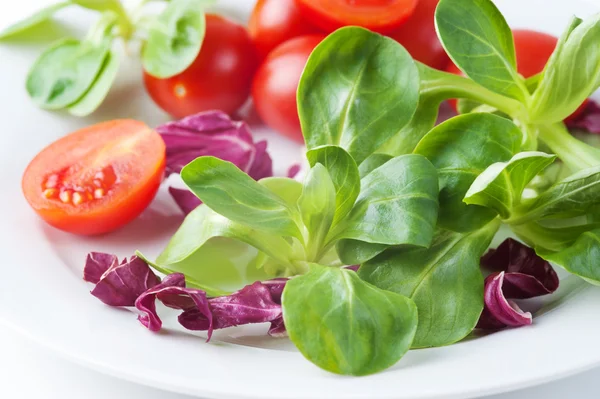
(185, 199)
(121, 283)
(214, 133)
(589, 120)
(527, 274)
(500, 312)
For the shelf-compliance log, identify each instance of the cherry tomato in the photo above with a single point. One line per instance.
(419, 37)
(533, 49)
(276, 82)
(274, 21)
(381, 16)
(97, 179)
(220, 78)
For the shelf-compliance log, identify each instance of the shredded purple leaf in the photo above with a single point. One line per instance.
(527, 274)
(294, 170)
(121, 283)
(501, 312)
(519, 273)
(589, 120)
(185, 199)
(214, 133)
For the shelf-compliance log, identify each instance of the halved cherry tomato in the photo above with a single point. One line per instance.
(381, 16)
(419, 37)
(274, 21)
(533, 50)
(276, 82)
(220, 78)
(97, 179)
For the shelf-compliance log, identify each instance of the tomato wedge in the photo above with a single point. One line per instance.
(97, 179)
(381, 16)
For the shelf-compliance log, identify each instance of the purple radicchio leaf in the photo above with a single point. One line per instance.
(589, 120)
(214, 133)
(294, 170)
(173, 293)
(500, 312)
(252, 304)
(121, 283)
(527, 274)
(185, 199)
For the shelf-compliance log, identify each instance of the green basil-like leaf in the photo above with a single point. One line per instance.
(501, 185)
(232, 193)
(33, 20)
(101, 5)
(358, 89)
(64, 73)
(397, 204)
(581, 258)
(445, 281)
(344, 174)
(573, 196)
(100, 88)
(462, 148)
(480, 42)
(571, 75)
(175, 39)
(373, 162)
(354, 252)
(287, 189)
(550, 238)
(344, 325)
(317, 205)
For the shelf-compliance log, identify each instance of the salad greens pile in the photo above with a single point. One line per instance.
(414, 204)
(76, 75)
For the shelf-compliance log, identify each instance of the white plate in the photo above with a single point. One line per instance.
(42, 294)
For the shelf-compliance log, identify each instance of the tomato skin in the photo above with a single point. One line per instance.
(275, 21)
(129, 149)
(533, 50)
(220, 77)
(419, 37)
(276, 82)
(382, 16)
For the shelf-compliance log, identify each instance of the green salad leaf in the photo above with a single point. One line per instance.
(444, 280)
(175, 39)
(32, 21)
(341, 324)
(358, 89)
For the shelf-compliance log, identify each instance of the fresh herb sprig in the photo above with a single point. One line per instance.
(76, 75)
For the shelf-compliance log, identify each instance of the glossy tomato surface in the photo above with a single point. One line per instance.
(419, 37)
(97, 179)
(275, 21)
(276, 82)
(533, 50)
(381, 16)
(220, 78)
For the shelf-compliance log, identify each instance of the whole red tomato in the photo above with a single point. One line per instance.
(276, 82)
(533, 49)
(419, 37)
(220, 78)
(275, 21)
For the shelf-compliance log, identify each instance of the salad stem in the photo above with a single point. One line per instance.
(576, 154)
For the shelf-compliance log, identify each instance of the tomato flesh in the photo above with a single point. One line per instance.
(275, 21)
(219, 79)
(97, 179)
(381, 16)
(276, 83)
(533, 50)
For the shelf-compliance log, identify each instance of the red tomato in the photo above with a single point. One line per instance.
(220, 78)
(533, 49)
(419, 37)
(276, 82)
(274, 21)
(377, 15)
(97, 179)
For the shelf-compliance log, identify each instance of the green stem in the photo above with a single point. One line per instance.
(576, 154)
(103, 29)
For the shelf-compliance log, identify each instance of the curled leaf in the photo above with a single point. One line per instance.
(499, 311)
(214, 133)
(589, 120)
(120, 284)
(527, 274)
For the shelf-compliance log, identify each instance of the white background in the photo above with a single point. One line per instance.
(30, 371)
